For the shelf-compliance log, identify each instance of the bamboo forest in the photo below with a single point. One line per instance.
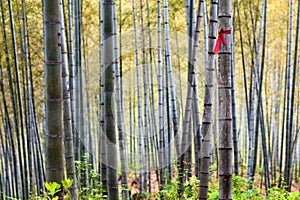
(144, 99)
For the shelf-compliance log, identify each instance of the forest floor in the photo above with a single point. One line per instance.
(133, 183)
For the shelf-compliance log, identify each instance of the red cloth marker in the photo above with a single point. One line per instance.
(221, 39)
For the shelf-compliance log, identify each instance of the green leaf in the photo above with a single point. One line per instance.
(67, 183)
(52, 187)
(48, 186)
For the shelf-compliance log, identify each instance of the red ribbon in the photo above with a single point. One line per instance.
(221, 39)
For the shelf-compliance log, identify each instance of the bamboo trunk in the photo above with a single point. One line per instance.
(207, 114)
(224, 93)
(109, 123)
(67, 124)
(53, 71)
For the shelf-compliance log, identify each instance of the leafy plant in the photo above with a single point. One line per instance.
(191, 188)
(67, 183)
(170, 190)
(275, 193)
(93, 190)
(52, 188)
(6, 197)
(213, 194)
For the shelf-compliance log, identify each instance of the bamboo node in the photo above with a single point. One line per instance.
(54, 135)
(51, 22)
(54, 99)
(53, 62)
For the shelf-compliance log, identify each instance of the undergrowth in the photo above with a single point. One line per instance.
(170, 191)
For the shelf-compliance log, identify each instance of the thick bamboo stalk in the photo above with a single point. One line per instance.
(207, 113)
(109, 108)
(54, 147)
(67, 123)
(224, 93)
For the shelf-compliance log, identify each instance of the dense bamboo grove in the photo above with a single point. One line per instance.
(149, 99)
